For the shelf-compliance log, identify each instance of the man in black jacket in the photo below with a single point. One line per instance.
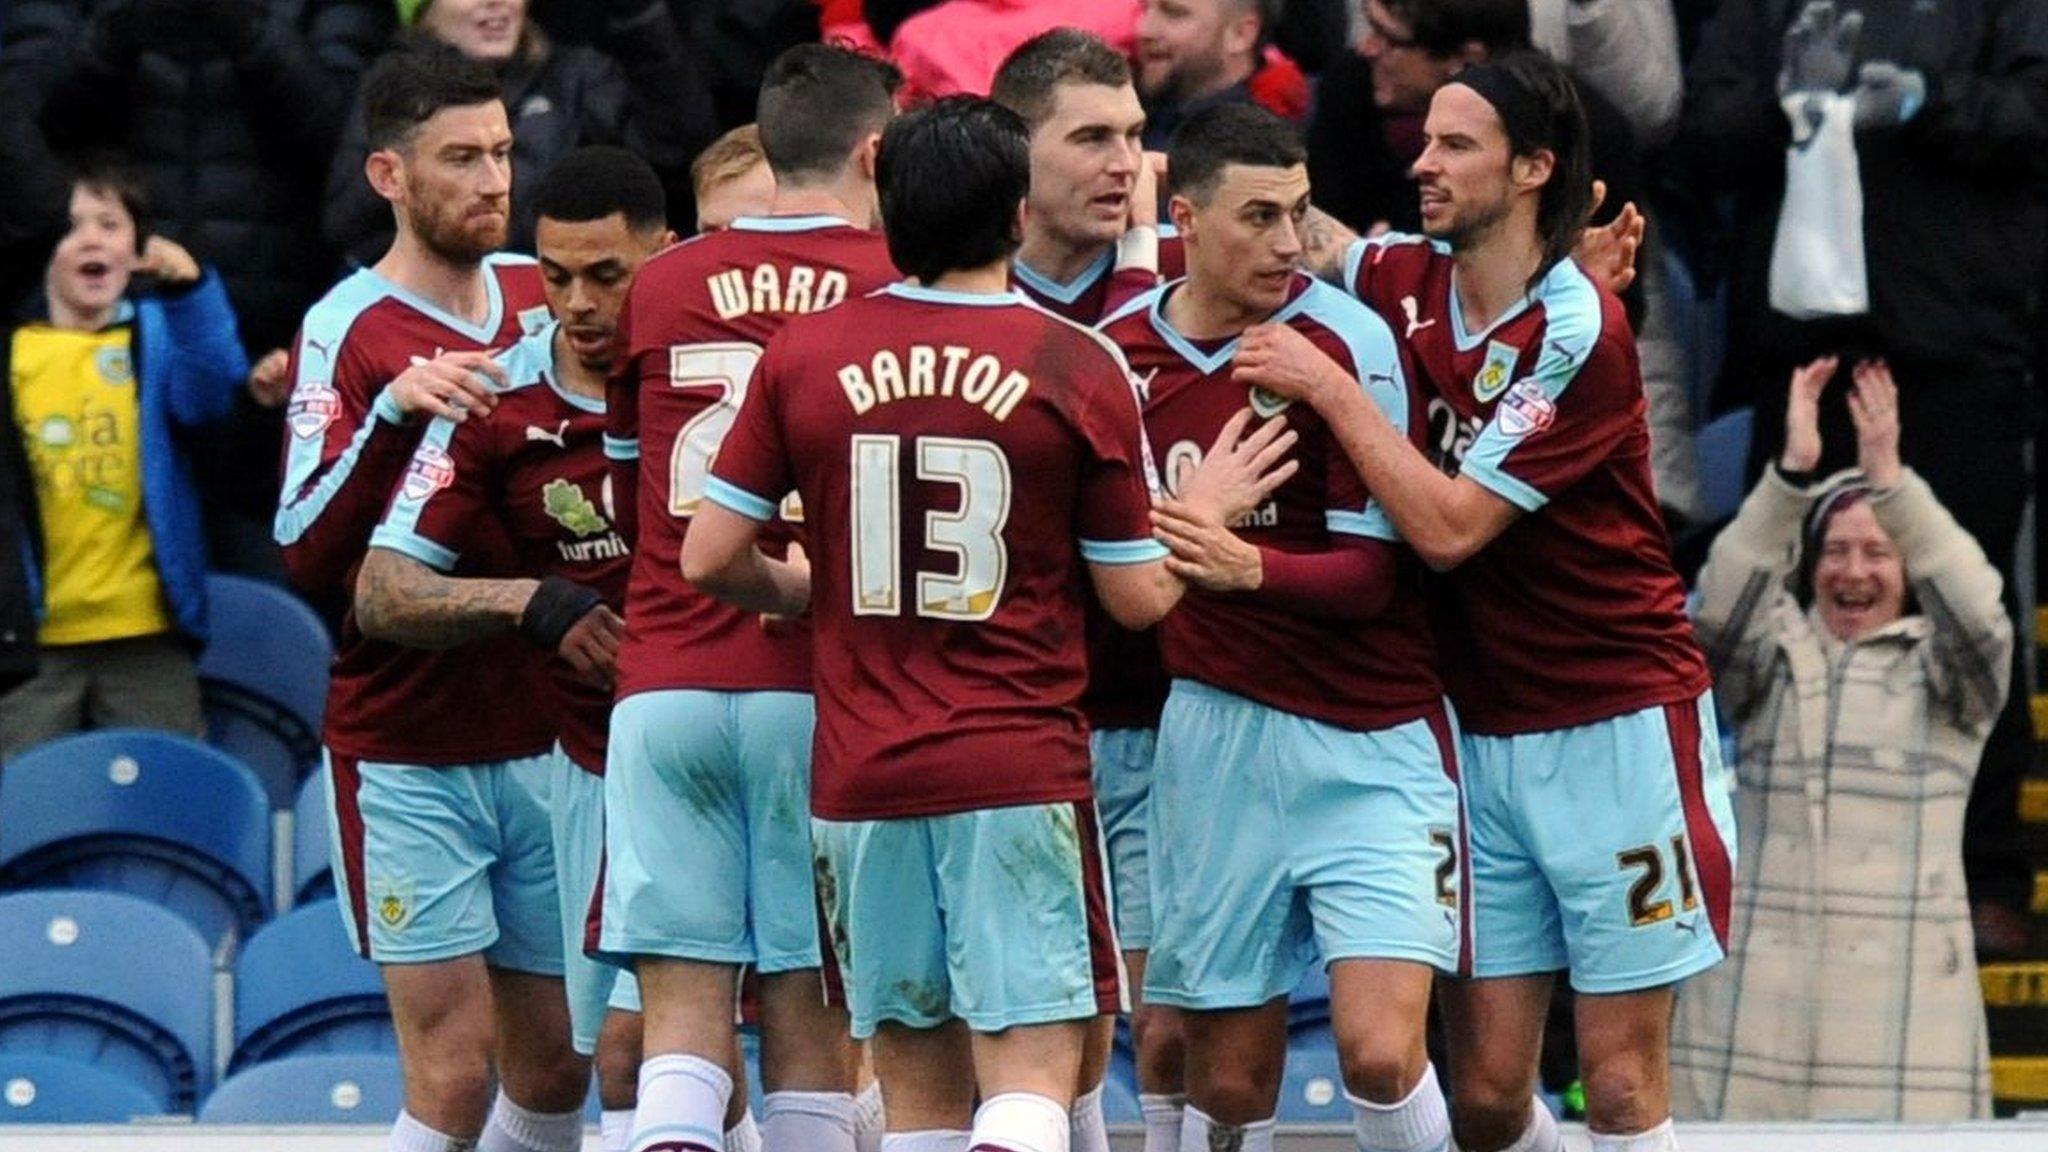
(1949, 104)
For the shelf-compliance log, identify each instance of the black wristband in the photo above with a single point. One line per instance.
(555, 608)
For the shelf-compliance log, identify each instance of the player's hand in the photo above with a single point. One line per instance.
(1145, 191)
(591, 645)
(1802, 415)
(268, 384)
(1206, 555)
(451, 385)
(168, 261)
(1238, 472)
(1608, 253)
(799, 560)
(1874, 407)
(1280, 360)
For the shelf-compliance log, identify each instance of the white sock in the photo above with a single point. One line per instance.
(514, 1129)
(823, 1121)
(682, 1105)
(1541, 1135)
(1162, 1121)
(1086, 1130)
(1662, 1138)
(929, 1140)
(744, 1136)
(615, 1129)
(1019, 1122)
(1419, 1123)
(409, 1135)
(1198, 1133)
(871, 1121)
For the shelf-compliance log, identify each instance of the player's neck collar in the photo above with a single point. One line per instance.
(485, 332)
(908, 291)
(1052, 289)
(1211, 362)
(1466, 340)
(808, 222)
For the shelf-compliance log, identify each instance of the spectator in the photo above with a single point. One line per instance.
(1857, 638)
(731, 179)
(100, 392)
(958, 45)
(647, 96)
(228, 110)
(1939, 116)
(1194, 54)
(1627, 50)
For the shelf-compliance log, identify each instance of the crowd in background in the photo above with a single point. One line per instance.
(1834, 190)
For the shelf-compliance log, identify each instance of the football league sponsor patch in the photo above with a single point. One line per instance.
(1526, 410)
(430, 471)
(314, 405)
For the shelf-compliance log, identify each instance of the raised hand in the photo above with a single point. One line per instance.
(1874, 407)
(1802, 415)
(1283, 362)
(451, 385)
(1238, 472)
(1608, 253)
(591, 645)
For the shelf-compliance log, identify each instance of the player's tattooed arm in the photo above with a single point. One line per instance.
(400, 600)
(1324, 241)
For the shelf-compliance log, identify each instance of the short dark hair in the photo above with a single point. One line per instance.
(1442, 28)
(1226, 134)
(951, 177)
(1558, 127)
(599, 181)
(1030, 77)
(105, 174)
(818, 102)
(408, 85)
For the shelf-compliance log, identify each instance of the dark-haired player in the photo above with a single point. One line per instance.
(963, 458)
(1305, 798)
(535, 470)
(1601, 830)
(709, 866)
(442, 853)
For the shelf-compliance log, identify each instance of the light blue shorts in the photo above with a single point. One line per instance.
(1275, 837)
(999, 917)
(592, 985)
(708, 837)
(1123, 794)
(433, 863)
(1608, 849)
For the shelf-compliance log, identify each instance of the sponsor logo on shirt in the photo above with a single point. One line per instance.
(1493, 376)
(1526, 411)
(1412, 310)
(114, 366)
(1268, 404)
(431, 470)
(315, 405)
(569, 507)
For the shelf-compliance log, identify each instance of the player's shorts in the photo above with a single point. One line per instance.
(708, 802)
(433, 863)
(999, 917)
(1608, 849)
(578, 827)
(1275, 837)
(1123, 794)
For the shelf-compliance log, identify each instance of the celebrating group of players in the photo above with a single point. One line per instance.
(733, 606)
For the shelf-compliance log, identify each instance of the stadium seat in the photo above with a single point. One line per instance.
(109, 980)
(263, 676)
(300, 988)
(147, 813)
(1312, 1090)
(322, 1088)
(312, 860)
(1309, 1003)
(1723, 448)
(1120, 1103)
(40, 1089)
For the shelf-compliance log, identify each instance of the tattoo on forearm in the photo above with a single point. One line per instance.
(1324, 241)
(402, 600)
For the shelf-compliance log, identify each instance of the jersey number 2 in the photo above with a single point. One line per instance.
(726, 367)
(973, 533)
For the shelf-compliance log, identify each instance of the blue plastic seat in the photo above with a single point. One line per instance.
(109, 980)
(1312, 1089)
(1723, 448)
(147, 813)
(263, 677)
(300, 988)
(1309, 1003)
(323, 1088)
(1120, 1102)
(312, 824)
(40, 1089)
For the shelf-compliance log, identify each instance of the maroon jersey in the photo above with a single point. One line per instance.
(695, 324)
(958, 457)
(1358, 674)
(1574, 614)
(535, 471)
(346, 446)
(1126, 679)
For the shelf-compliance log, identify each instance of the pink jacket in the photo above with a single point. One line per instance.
(957, 46)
